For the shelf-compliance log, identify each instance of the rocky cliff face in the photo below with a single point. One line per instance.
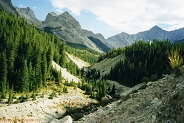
(7, 6)
(67, 28)
(124, 39)
(29, 15)
(50, 17)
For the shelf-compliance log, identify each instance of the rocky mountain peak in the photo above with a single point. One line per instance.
(67, 17)
(156, 28)
(99, 35)
(50, 17)
(7, 6)
(53, 13)
(28, 14)
(28, 11)
(66, 13)
(62, 18)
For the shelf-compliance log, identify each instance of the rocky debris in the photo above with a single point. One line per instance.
(66, 119)
(161, 101)
(45, 109)
(80, 63)
(127, 93)
(65, 74)
(118, 87)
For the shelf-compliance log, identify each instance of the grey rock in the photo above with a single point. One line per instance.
(66, 119)
(67, 28)
(29, 15)
(153, 118)
(7, 6)
(126, 94)
(50, 17)
(154, 101)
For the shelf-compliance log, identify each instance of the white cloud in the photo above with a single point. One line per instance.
(59, 10)
(129, 16)
(22, 6)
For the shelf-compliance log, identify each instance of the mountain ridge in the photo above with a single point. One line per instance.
(124, 39)
(64, 26)
(98, 39)
(7, 6)
(28, 14)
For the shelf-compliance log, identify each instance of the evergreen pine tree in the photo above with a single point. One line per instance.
(104, 87)
(10, 98)
(113, 91)
(3, 74)
(24, 78)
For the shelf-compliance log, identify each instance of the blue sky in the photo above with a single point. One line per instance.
(111, 17)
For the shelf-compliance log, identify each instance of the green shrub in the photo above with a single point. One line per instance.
(176, 61)
(65, 90)
(52, 95)
(22, 98)
(42, 96)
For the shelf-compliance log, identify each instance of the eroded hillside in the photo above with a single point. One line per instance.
(160, 102)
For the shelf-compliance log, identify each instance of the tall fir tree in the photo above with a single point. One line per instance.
(3, 74)
(24, 78)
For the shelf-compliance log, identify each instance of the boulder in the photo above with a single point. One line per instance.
(126, 94)
(66, 119)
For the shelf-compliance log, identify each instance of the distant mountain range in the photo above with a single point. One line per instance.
(69, 30)
(124, 39)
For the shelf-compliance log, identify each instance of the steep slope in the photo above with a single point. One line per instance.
(98, 39)
(67, 28)
(7, 6)
(29, 15)
(105, 65)
(160, 102)
(91, 34)
(80, 63)
(124, 39)
(65, 74)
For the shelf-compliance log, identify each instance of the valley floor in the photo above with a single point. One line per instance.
(44, 109)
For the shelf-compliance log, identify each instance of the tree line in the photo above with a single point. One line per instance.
(144, 61)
